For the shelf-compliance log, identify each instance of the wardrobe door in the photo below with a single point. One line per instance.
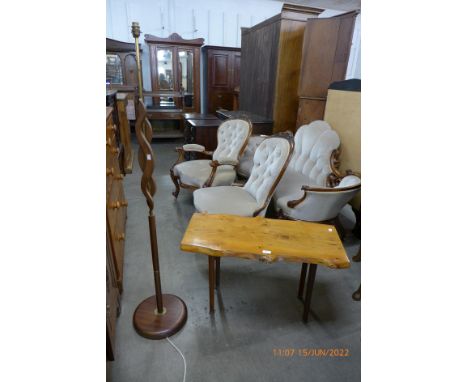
(326, 47)
(235, 69)
(219, 80)
(186, 78)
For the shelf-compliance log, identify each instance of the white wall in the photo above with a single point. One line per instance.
(217, 21)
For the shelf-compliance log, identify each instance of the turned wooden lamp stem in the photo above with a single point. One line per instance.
(155, 258)
(136, 35)
(161, 315)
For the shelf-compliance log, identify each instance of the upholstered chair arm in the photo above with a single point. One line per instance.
(332, 192)
(214, 166)
(193, 147)
(189, 148)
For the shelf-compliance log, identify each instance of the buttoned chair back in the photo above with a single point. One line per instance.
(269, 163)
(313, 146)
(246, 159)
(232, 139)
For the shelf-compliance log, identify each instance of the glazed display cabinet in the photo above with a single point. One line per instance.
(175, 83)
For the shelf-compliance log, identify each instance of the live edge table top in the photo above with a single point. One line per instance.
(264, 239)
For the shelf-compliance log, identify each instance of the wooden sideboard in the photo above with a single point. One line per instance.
(271, 65)
(221, 66)
(260, 125)
(325, 54)
(116, 205)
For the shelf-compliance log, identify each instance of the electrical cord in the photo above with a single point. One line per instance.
(183, 358)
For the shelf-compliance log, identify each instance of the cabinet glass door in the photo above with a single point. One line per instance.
(165, 76)
(114, 69)
(186, 85)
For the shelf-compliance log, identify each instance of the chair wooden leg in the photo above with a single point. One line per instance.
(211, 280)
(300, 291)
(309, 287)
(175, 180)
(218, 270)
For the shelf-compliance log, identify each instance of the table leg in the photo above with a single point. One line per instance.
(211, 280)
(357, 294)
(300, 291)
(310, 284)
(218, 270)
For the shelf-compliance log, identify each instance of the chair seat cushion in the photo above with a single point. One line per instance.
(196, 172)
(291, 184)
(225, 200)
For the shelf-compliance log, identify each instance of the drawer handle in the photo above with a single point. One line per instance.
(115, 205)
(124, 203)
(110, 171)
(121, 237)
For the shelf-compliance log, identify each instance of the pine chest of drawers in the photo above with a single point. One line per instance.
(116, 204)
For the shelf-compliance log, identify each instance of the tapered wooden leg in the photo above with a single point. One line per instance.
(218, 270)
(302, 281)
(310, 285)
(211, 280)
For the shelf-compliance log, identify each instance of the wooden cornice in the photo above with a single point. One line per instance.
(288, 12)
(119, 46)
(348, 14)
(174, 38)
(207, 47)
(301, 9)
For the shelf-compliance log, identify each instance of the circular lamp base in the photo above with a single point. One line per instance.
(155, 326)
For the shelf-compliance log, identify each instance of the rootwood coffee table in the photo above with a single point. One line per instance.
(266, 240)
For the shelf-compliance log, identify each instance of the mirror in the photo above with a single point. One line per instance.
(165, 72)
(186, 76)
(114, 69)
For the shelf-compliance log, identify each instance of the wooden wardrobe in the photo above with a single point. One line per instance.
(325, 55)
(271, 66)
(221, 69)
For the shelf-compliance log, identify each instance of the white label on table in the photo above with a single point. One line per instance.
(266, 252)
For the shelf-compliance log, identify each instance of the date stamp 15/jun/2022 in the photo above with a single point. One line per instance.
(311, 352)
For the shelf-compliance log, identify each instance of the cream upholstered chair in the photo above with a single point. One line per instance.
(269, 163)
(233, 135)
(312, 188)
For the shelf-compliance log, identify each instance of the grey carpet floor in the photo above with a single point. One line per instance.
(257, 311)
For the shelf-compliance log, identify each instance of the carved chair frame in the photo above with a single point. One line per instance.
(333, 179)
(214, 163)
